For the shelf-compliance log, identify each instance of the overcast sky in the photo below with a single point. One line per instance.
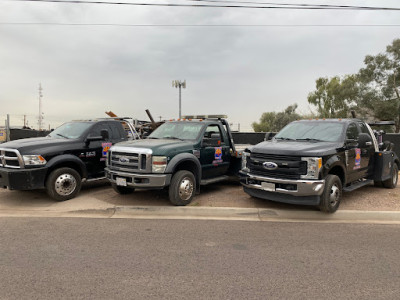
(241, 71)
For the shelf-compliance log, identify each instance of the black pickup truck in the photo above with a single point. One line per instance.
(311, 162)
(74, 152)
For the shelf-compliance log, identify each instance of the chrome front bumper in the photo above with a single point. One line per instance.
(284, 186)
(140, 180)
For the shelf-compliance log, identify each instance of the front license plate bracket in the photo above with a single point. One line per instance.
(268, 186)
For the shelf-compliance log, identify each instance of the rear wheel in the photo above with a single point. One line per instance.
(123, 190)
(332, 194)
(63, 184)
(391, 183)
(182, 188)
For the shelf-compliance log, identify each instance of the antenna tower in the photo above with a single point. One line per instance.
(40, 121)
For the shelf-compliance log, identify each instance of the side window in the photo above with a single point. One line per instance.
(214, 129)
(113, 131)
(96, 130)
(352, 132)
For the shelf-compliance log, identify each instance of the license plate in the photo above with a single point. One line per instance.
(268, 186)
(121, 181)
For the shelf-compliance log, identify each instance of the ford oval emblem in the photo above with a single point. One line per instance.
(270, 165)
(123, 159)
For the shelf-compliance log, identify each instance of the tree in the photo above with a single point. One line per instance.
(379, 84)
(273, 122)
(334, 97)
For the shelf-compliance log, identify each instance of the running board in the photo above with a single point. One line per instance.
(214, 180)
(357, 185)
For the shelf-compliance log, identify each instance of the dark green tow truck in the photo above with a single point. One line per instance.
(179, 155)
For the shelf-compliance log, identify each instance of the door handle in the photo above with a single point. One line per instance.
(368, 143)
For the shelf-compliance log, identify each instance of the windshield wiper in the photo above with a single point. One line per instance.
(172, 137)
(309, 139)
(284, 138)
(65, 137)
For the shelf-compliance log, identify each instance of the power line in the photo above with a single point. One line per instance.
(197, 25)
(272, 6)
(328, 6)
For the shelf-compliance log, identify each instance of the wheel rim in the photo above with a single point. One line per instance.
(334, 195)
(65, 184)
(185, 189)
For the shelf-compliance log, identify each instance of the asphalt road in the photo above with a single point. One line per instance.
(74, 258)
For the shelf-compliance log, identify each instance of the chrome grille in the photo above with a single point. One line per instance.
(10, 158)
(130, 159)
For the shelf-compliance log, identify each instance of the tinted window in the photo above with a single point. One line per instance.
(96, 130)
(114, 131)
(352, 132)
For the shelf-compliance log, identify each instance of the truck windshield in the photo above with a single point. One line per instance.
(71, 130)
(181, 131)
(312, 131)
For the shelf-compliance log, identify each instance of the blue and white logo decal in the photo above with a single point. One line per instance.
(270, 165)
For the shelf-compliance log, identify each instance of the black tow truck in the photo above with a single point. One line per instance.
(311, 162)
(71, 154)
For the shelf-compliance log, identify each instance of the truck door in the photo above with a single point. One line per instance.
(215, 159)
(367, 153)
(96, 152)
(353, 154)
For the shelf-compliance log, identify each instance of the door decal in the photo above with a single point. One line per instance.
(357, 163)
(106, 147)
(218, 155)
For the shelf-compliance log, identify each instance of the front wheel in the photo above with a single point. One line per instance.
(391, 183)
(182, 188)
(332, 194)
(63, 184)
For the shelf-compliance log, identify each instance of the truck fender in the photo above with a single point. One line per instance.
(68, 158)
(185, 157)
(333, 162)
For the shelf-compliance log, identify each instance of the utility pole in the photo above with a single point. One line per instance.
(40, 121)
(179, 84)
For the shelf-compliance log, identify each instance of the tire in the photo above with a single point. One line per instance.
(391, 183)
(182, 188)
(332, 195)
(122, 190)
(63, 184)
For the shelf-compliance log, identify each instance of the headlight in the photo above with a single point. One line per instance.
(314, 165)
(245, 156)
(159, 164)
(33, 160)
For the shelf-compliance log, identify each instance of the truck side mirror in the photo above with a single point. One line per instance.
(104, 134)
(269, 136)
(364, 140)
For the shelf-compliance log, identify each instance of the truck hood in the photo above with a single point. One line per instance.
(40, 145)
(293, 148)
(164, 147)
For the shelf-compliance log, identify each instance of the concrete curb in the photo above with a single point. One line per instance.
(255, 214)
(217, 213)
